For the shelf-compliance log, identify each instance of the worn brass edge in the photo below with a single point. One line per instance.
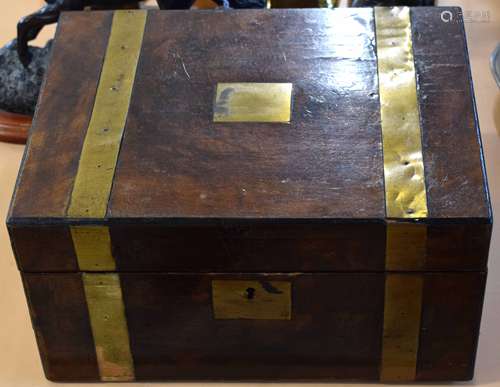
(109, 326)
(401, 335)
(99, 155)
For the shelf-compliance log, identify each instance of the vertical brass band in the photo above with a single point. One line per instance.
(91, 192)
(96, 168)
(405, 194)
(93, 248)
(403, 301)
(406, 245)
(109, 326)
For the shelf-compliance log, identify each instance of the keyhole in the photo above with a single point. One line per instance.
(250, 293)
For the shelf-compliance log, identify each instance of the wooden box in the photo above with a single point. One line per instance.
(255, 195)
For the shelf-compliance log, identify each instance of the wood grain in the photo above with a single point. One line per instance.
(335, 330)
(62, 116)
(62, 328)
(454, 167)
(305, 169)
(192, 198)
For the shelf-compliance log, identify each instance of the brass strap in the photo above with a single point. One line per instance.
(405, 193)
(406, 245)
(93, 248)
(96, 168)
(403, 302)
(91, 192)
(109, 326)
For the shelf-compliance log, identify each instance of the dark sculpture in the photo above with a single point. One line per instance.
(19, 86)
(29, 27)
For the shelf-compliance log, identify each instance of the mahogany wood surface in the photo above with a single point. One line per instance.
(64, 110)
(335, 331)
(192, 199)
(288, 169)
(220, 183)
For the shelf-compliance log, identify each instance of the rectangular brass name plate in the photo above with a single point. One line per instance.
(253, 102)
(259, 300)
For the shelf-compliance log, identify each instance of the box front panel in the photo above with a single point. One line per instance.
(277, 327)
(334, 331)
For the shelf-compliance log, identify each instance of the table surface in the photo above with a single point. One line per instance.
(19, 361)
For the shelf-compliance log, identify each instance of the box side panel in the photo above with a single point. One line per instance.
(451, 316)
(61, 323)
(454, 169)
(62, 116)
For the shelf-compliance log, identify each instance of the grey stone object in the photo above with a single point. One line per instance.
(19, 85)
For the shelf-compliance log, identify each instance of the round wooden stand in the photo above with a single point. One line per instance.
(14, 127)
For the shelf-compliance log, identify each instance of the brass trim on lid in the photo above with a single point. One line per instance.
(400, 119)
(97, 164)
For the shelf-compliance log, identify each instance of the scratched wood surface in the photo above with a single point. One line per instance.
(304, 169)
(19, 361)
(234, 186)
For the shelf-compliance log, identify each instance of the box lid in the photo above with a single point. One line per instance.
(254, 140)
